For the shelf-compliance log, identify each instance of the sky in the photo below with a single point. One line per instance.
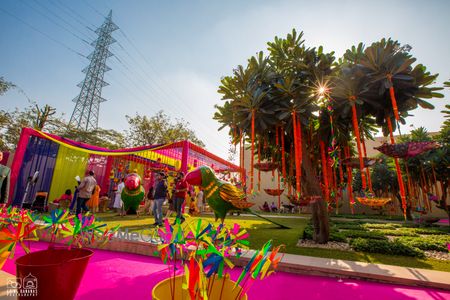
(171, 55)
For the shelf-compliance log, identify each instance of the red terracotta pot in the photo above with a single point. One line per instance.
(52, 273)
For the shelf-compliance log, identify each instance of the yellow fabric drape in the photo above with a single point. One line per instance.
(69, 163)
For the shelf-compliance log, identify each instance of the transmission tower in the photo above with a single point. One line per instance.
(85, 114)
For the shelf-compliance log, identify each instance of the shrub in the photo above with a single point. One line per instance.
(353, 226)
(385, 247)
(397, 232)
(308, 232)
(431, 231)
(436, 243)
(381, 226)
(363, 234)
(335, 235)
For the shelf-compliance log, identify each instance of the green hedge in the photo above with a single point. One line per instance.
(381, 226)
(436, 243)
(363, 234)
(397, 232)
(385, 247)
(353, 226)
(431, 231)
(335, 235)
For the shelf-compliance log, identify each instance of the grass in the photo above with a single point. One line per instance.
(260, 231)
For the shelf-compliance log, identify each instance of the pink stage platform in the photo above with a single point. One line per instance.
(115, 275)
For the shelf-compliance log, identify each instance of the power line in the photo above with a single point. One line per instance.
(52, 21)
(74, 12)
(41, 32)
(93, 8)
(59, 8)
(175, 95)
(163, 91)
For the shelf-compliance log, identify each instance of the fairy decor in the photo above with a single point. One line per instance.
(198, 257)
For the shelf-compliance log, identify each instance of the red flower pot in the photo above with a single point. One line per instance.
(52, 273)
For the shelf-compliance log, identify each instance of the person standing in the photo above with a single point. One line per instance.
(181, 188)
(95, 198)
(118, 203)
(160, 196)
(73, 203)
(4, 181)
(85, 190)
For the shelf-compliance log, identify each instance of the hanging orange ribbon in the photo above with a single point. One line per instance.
(259, 171)
(349, 181)
(358, 141)
(252, 154)
(397, 167)
(296, 155)
(283, 158)
(369, 179)
(324, 170)
(393, 100)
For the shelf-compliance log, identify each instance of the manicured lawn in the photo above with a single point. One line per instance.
(260, 231)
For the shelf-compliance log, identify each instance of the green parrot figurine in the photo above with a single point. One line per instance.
(133, 193)
(221, 196)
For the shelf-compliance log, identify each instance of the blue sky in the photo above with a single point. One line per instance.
(181, 49)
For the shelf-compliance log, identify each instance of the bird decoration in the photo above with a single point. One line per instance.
(220, 195)
(133, 193)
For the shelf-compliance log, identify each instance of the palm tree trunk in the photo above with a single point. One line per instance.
(319, 211)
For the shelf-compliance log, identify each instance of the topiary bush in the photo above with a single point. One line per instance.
(308, 232)
(335, 235)
(431, 231)
(381, 226)
(397, 232)
(385, 247)
(363, 234)
(353, 226)
(436, 243)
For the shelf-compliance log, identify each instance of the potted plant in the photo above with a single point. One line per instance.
(203, 252)
(39, 273)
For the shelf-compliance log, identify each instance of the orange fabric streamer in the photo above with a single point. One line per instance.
(252, 154)
(283, 158)
(324, 170)
(300, 151)
(393, 100)
(259, 171)
(369, 179)
(297, 162)
(397, 167)
(349, 181)
(358, 143)
(291, 170)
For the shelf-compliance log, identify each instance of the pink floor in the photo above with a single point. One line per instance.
(114, 275)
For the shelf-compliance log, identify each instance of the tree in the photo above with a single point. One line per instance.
(5, 86)
(158, 129)
(46, 119)
(314, 103)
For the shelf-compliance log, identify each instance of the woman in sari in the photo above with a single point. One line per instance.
(94, 200)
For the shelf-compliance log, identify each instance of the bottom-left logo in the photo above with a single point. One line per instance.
(26, 287)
